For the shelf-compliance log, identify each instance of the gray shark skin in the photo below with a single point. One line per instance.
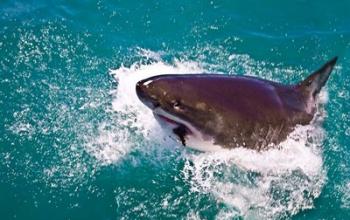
(233, 111)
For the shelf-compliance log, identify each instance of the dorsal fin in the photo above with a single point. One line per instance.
(312, 85)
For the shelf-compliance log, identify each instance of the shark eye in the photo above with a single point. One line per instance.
(176, 104)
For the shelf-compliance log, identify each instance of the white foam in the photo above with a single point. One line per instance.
(109, 145)
(269, 184)
(249, 180)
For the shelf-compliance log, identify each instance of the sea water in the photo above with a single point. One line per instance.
(76, 143)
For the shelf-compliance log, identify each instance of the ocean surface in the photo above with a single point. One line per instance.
(76, 143)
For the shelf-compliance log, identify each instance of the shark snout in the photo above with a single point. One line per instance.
(144, 94)
(140, 90)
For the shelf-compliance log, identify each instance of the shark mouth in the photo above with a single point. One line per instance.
(179, 127)
(188, 134)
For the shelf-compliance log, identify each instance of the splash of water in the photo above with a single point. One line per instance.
(270, 184)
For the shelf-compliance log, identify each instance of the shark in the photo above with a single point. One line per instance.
(209, 112)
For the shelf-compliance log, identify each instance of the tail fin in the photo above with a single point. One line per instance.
(312, 85)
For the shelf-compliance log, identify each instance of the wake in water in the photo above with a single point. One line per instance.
(269, 184)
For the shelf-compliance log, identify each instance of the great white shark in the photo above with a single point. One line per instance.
(209, 112)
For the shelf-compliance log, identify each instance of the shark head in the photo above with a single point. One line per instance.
(176, 103)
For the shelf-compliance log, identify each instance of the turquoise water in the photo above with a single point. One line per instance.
(76, 144)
